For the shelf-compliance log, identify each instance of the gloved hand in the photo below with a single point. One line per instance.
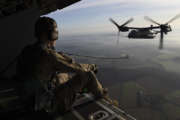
(89, 67)
(94, 68)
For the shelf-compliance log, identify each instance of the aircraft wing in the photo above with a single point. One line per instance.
(153, 27)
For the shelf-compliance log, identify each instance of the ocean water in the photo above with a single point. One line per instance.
(148, 82)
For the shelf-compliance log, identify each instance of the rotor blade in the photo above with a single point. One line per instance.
(161, 44)
(115, 23)
(127, 22)
(151, 20)
(118, 36)
(172, 19)
(161, 35)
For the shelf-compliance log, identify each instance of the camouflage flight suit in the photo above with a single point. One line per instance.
(36, 67)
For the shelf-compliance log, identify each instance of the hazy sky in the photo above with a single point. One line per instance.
(92, 16)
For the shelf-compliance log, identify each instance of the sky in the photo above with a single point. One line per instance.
(92, 16)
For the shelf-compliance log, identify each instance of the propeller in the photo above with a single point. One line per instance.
(160, 25)
(121, 28)
(151, 20)
(164, 28)
(115, 23)
(127, 22)
(173, 19)
(161, 44)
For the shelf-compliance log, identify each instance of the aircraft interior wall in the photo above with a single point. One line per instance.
(16, 31)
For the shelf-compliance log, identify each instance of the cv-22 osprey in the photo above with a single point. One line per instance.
(146, 32)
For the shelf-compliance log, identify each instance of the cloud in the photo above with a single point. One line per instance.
(95, 3)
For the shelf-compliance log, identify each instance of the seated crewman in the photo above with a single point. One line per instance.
(37, 65)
